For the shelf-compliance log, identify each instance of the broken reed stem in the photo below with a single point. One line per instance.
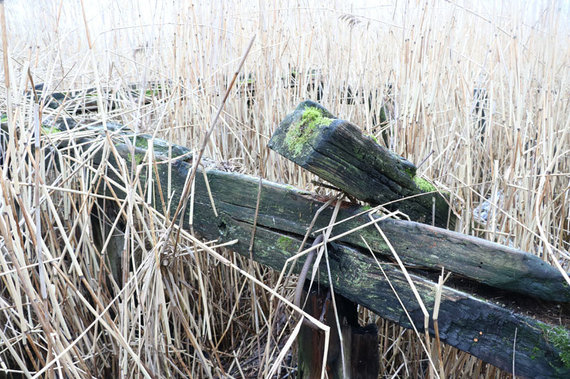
(435, 315)
(9, 110)
(427, 345)
(37, 183)
(417, 333)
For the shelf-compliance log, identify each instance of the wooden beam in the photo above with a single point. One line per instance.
(339, 153)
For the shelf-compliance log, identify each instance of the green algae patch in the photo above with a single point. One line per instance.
(536, 352)
(136, 158)
(559, 337)
(410, 171)
(373, 138)
(303, 131)
(285, 243)
(424, 185)
(141, 142)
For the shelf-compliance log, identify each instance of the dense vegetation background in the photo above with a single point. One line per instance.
(481, 94)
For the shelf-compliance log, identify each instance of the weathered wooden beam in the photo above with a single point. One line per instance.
(338, 152)
(326, 146)
(416, 244)
(475, 325)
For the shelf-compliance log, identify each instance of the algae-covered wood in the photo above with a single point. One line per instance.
(284, 215)
(338, 152)
(415, 243)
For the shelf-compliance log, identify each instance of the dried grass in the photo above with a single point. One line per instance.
(190, 309)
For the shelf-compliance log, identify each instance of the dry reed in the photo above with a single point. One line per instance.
(482, 93)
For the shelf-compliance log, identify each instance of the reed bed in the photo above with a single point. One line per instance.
(480, 96)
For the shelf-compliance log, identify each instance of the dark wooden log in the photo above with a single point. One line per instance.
(338, 152)
(475, 325)
(541, 350)
(365, 361)
(310, 342)
(415, 243)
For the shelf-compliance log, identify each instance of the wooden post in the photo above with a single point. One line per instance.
(354, 356)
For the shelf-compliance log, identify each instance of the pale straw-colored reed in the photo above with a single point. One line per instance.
(481, 94)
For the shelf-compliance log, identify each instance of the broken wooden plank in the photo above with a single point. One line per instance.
(284, 214)
(339, 153)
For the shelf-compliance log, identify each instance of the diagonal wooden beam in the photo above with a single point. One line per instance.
(338, 152)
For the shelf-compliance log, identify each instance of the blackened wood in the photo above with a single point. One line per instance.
(311, 341)
(338, 151)
(365, 360)
(462, 318)
(87, 100)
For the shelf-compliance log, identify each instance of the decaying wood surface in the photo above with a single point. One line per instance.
(339, 153)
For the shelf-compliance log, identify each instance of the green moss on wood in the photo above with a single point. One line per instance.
(373, 138)
(284, 243)
(535, 353)
(410, 172)
(301, 132)
(421, 183)
(141, 142)
(559, 337)
(137, 158)
(424, 185)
